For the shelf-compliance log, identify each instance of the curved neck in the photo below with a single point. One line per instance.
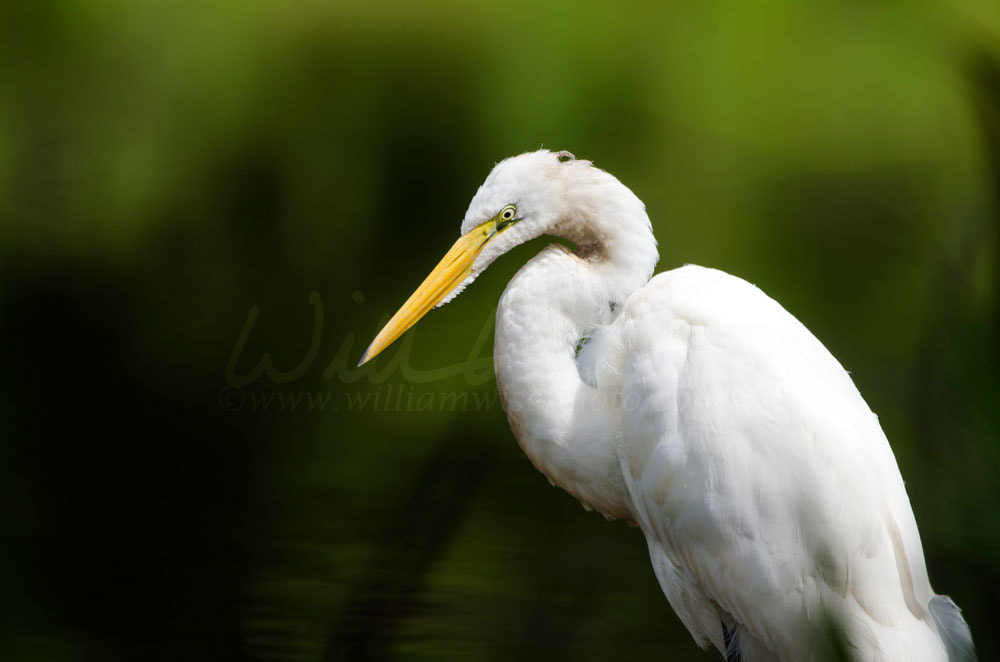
(567, 427)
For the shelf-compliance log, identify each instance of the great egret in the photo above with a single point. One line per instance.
(695, 406)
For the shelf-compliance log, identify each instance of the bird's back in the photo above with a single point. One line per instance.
(765, 486)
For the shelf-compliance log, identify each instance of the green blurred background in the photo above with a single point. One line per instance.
(174, 174)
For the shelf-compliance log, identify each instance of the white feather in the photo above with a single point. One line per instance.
(703, 411)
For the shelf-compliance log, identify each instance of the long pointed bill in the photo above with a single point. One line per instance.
(450, 272)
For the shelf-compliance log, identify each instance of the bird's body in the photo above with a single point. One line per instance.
(698, 408)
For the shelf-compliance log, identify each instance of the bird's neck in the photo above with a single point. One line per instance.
(570, 428)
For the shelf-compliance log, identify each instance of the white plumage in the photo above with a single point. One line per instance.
(695, 406)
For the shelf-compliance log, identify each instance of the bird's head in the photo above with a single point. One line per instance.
(523, 197)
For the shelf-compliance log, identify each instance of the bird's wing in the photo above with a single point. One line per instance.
(763, 482)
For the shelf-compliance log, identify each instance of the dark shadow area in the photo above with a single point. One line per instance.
(415, 535)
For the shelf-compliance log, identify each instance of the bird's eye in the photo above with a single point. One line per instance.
(508, 213)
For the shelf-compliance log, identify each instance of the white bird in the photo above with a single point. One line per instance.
(696, 407)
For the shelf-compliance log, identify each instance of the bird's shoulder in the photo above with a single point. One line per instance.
(700, 296)
(726, 317)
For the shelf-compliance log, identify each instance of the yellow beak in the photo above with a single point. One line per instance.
(450, 272)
